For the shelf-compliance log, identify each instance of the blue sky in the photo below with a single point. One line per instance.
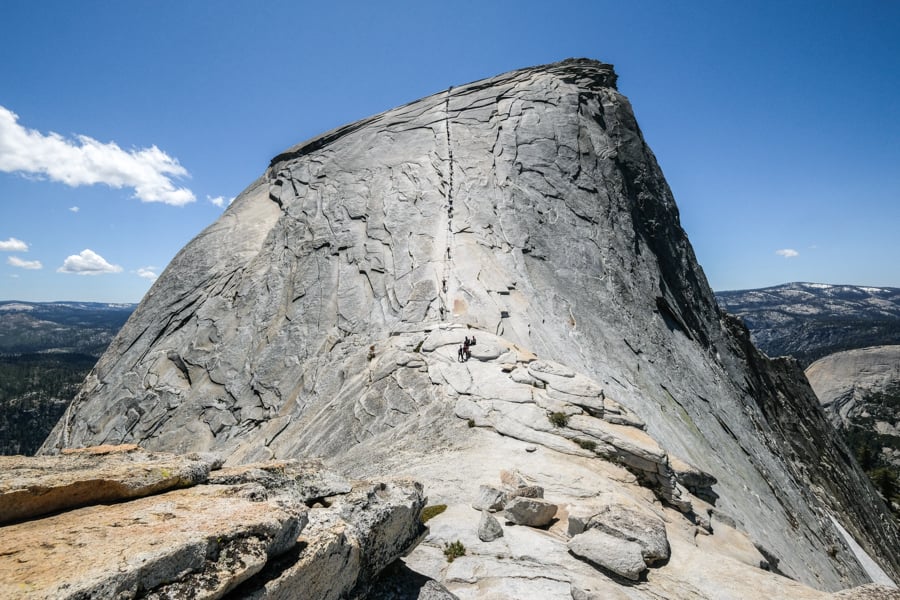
(777, 124)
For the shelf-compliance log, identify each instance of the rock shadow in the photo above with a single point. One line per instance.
(398, 582)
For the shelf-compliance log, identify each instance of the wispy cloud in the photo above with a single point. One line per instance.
(147, 273)
(787, 252)
(24, 264)
(220, 201)
(86, 161)
(74, 209)
(13, 245)
(88, 262)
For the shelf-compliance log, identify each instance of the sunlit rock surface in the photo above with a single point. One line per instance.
(860, 392)
(324, 313)
(259, 531)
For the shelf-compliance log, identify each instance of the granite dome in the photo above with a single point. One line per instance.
(322, 313)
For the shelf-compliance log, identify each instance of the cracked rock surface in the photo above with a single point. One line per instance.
(237, 534)
(323, 315)
(34, 486)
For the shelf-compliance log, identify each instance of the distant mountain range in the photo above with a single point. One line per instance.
(812, 320)
(74, 327)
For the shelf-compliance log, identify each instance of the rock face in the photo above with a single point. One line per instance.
(845, 381)
(324, 313)
(234, 532)
(860, 392)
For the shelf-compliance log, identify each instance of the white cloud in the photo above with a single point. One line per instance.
(220, 201)
(88, 262)
(787, 252)
(147, 273)
(13, 245)
(24, 264)
(85, 161)
(74, 208)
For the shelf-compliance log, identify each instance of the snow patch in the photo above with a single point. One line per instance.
(875, 572)
(16, 306)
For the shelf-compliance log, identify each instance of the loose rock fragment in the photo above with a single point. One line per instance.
(532, 512)
(489, 528)
(621, 557)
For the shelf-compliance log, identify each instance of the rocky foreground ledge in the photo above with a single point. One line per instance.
(120, 522)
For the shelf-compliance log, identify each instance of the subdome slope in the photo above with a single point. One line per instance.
(525, 209)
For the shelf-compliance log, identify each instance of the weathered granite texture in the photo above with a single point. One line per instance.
(860, 392)
(252, 531)
(323, 314)
(34, 486)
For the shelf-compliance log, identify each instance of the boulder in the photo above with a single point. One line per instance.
(348, 544)
(633, 525)
(490, 498)
(612, 553)
(489, 528)
(485, 351)
(532, 512)
(528, 491)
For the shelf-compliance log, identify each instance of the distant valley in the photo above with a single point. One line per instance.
(848, 339)
(69, 327)
(46, 349)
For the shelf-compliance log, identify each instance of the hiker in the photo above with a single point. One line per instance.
(460, 353)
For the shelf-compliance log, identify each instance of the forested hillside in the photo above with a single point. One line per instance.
(46, 349)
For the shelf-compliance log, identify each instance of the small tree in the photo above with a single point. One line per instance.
(885, 481)
(865, 456)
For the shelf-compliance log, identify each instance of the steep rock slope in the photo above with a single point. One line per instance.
(322, 315)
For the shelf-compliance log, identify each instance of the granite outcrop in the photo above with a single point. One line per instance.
(494, 279)
(860, 393)
(162, 526)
